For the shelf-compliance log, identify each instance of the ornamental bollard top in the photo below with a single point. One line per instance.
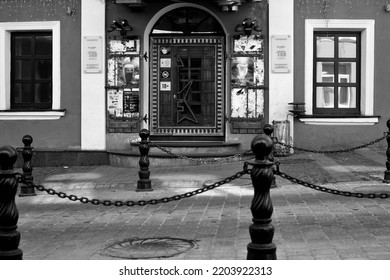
(9, 215)
(268, 129)
(261, 231)
(144, 183)
(27, 189)
(387, 172)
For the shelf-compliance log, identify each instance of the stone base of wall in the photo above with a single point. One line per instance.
(65, 158)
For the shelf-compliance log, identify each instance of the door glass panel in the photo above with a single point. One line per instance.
(193, 107)
(196, 62)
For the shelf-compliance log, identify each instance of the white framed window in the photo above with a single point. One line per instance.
(366, 29)
(6, 30)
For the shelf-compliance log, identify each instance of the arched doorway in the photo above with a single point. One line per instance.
(187, 47)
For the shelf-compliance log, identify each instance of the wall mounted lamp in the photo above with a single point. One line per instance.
(247, 26)
(229, 5)
(122, 26)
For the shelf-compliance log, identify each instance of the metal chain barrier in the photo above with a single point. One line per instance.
(200, 160)
(119, 203)
(334, 151)
(331, 191)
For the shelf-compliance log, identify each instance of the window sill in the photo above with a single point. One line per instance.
(326, 120)
(31, 115)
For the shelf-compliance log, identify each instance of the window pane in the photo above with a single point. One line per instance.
(347, 47)
(347, 72)
(325, 72)
(23, 45)
(22, 93)
(43, 45)
(347, 97)
(325, 97)
(325, 46)
(43, 69)
(22, 70)
(42, 92)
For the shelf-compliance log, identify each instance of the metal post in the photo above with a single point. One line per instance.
(387, 172)
(144, 183)
(9, 215)
(261, 231)
(268, 129)
(27, 189)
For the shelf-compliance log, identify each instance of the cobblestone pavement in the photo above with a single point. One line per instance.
(308, 224)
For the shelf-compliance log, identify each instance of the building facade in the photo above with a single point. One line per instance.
(84, 77)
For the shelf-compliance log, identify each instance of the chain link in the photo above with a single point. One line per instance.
(204, 161)
(334, 151)
(119, 203)
(331, 191)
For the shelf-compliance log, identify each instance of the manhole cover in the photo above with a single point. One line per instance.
(146, 248)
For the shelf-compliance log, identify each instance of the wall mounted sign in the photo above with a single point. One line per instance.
(130, 102)
(92, 53)
(165, 86)
(165, 62)
(281, 53)
(165, 74)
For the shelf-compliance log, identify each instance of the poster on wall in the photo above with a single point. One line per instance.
(254, 100)
(124, 71)
(124, 46)
(247, 84)
(242, 73)
(252, 44)
(130, 102)
(123, 84)
(115, 103)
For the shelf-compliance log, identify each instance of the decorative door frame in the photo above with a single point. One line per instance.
(219, 127)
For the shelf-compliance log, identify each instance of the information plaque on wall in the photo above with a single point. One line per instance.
(281, 53)
(92, 54)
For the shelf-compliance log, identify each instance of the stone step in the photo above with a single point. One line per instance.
(179, 153)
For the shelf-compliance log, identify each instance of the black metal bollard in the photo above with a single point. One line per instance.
(268, 129)
(27, 189)
(261, 231)
(144, 183)
(387, 172)
(9, 215)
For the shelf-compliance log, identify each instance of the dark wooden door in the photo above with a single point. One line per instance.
(187, 87)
